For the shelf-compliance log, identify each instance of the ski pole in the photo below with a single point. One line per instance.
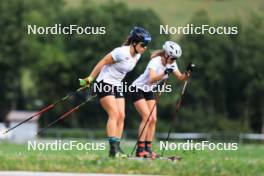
(46, 108)
(177, 109)
(66, 114)
(141, 133)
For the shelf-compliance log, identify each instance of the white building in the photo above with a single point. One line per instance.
(26, 131)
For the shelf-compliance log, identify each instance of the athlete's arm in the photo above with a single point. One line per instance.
(108, 59)
(153, 77)
(180, 76)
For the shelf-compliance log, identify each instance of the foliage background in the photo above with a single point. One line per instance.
(224, 94)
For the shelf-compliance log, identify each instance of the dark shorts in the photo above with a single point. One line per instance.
(103, 89)
(140, 94)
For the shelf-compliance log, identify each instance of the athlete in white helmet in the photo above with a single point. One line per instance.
(162, 63)
(110, 71)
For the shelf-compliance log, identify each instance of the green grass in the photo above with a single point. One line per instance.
(247, 160)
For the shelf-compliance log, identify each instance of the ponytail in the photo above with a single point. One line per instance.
(128, 41)
(156, 53)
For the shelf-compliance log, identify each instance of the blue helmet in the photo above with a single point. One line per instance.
(139, 34)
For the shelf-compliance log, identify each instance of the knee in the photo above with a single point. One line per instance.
(153, 120)
(146, 118)
(121, 116)
(113, 114)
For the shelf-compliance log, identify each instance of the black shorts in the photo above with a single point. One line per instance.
(138, 94)
(103, 89)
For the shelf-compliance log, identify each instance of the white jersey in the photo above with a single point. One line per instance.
(142, 82)
(124, 62)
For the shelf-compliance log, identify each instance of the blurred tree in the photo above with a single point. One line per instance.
(11, 55)
(227, 78)
(66, 58)
(20, 51)
(225, 92)
(251, 66)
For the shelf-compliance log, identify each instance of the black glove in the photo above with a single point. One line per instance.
(168, 71)
(190, 67)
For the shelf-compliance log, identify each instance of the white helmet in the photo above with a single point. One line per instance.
(172, 49)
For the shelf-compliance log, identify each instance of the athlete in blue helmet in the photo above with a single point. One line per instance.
(110, 71)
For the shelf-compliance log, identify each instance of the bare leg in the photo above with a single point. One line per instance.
(152, 121)
(120, 121)
(143, 110)
(110, 106)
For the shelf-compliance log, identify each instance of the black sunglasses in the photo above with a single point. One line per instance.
(171, 58)
(143, 44)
